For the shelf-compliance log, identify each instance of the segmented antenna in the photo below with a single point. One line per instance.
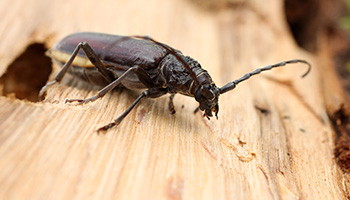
(231, 85)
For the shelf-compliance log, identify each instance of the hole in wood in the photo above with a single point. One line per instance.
(311, 19)
(303, 23)
(27, 74)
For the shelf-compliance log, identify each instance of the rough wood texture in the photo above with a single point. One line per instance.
(273, 140)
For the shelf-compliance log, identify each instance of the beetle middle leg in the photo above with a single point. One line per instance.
(106, 89)
(171, 104)
(150, 93)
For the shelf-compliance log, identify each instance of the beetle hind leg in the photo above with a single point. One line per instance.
(43, 89)
(92, 56)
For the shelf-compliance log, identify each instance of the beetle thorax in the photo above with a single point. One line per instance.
(179, 80)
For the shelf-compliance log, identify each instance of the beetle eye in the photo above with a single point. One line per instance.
(210, 92)
(205, 91)
(198, 96)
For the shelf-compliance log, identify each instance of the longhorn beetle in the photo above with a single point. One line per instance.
(138, 62)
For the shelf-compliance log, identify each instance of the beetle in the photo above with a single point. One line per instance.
(139, 62)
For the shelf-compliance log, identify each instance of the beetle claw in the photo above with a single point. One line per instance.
(81, 101)
(43, 91)
(103, 129)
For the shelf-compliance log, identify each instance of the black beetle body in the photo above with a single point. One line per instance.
(137, 63)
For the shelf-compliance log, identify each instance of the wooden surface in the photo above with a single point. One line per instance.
(273, 139)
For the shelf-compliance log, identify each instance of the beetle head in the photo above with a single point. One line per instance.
(207, 95)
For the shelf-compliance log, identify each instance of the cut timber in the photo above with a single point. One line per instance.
(273, 140)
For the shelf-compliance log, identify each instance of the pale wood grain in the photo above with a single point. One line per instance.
(50, 150)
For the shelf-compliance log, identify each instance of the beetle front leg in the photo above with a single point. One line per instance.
(150, 93)
(196, 110)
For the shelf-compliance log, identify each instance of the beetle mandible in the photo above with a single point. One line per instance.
(139, 62)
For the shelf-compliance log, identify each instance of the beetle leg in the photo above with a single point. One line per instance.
(150, 93)
(171, 104)
(196, 110)
(94, 59)
(144, 77)
(43, 89)
(104, 90)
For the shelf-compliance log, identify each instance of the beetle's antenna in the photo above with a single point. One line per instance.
(231, 85)
(173, 52)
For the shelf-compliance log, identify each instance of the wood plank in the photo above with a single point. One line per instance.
(273, 139)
